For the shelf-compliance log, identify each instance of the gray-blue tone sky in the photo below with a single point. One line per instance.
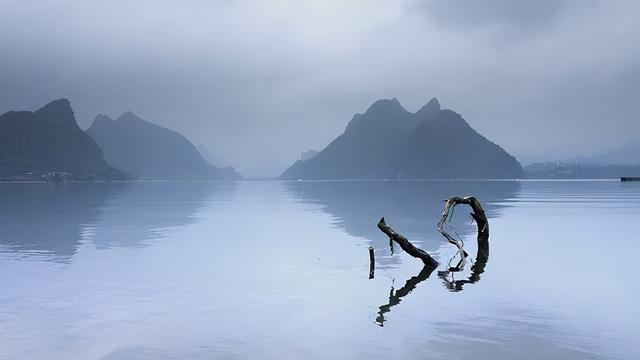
(260, 81)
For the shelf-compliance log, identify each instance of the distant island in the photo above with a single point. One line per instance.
(150, 151)
(621, 161)
(389, 142)
(47, 144)
(579, 170)
(625, 154)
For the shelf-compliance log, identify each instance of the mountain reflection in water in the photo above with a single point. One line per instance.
(51, 221)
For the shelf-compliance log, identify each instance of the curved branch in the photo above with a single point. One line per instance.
(482, 255)
(478, 215)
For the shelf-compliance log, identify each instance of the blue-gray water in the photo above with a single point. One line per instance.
(270, 270)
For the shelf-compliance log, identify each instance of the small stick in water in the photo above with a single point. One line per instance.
(372, 263)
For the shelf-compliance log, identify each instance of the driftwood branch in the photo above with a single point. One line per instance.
(407, 246)
(482, 256)
(478, 215)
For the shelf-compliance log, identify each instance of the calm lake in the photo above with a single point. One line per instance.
(280, 270)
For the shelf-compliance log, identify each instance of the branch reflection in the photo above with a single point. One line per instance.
(395, 296)
(482, 257)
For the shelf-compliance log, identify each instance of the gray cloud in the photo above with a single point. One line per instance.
(260, 81)
(511, 14)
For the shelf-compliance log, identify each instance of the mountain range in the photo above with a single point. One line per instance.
(621, 161)
(150, 151)
(389, 142)
(625, 154)
(579, 170)
(47, 144)
(385, 142)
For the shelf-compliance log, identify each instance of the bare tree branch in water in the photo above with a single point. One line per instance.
(478, 215)
(395, 296)
(430, 264)
(407, 246)
(482, 256)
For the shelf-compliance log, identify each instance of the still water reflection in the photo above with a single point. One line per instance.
(52, 220)
(280, 270)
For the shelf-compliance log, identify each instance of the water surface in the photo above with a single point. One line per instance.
(276, 270)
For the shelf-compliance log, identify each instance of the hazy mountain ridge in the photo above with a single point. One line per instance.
(48, 144)
(615, 163)
(578, 170)
(151, 151)
(625, 154)
(389, 142)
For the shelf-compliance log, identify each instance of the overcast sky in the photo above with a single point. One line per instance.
(260, 81)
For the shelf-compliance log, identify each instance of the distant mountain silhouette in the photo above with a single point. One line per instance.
(578, 170)
(626, 154)
(150, 151)
(388, 142)
(48, 143)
